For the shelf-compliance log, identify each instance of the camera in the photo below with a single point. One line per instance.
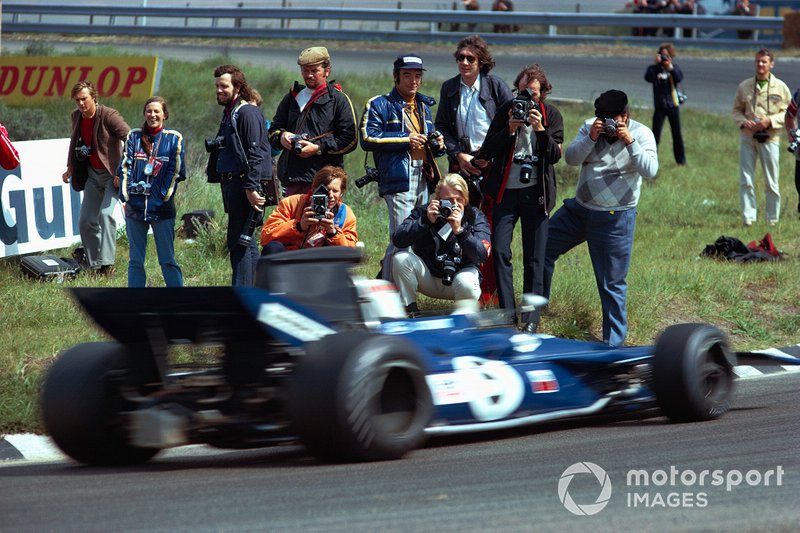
(217, 143)
(610, 127)
(665, 57)
(526, 163)
(254, 217)
(319, 202)
(297, 146)
(445, 208)
(522, 104)
(370, 175)
(433, 141)
(450, 263)
(140, 187)
(82, 152)
(795, 141)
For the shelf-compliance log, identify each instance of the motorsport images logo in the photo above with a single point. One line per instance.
(602, 498)
(661, 488)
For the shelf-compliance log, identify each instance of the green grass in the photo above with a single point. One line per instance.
(681, 211)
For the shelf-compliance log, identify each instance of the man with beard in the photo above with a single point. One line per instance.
(613, 152)
(240, 160)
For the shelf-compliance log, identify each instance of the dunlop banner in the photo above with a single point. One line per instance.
(35, 79)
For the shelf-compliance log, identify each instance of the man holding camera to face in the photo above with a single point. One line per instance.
(398, 129)
(314, 125)
(239, 159)
(613, 152)
(95, 150)
(449, 239)
(759, 108)
(524, 139)
(316, 218)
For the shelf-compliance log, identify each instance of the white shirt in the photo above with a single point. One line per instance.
(471, 118)
(303, 97)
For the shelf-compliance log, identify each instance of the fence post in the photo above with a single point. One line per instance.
(397, 23)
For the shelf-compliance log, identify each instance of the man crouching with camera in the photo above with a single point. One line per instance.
(449, 239)
(316, 218)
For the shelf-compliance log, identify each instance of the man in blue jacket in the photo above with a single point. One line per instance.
(396, 128)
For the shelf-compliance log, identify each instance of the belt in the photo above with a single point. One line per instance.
(225, 176)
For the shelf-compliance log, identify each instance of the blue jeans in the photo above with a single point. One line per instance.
(243, 258)
(164, 234)
(609, 236)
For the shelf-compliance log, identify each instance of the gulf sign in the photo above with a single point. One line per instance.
(38, 211)
(26, 80)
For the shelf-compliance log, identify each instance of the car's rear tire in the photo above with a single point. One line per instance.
(693, 372)
(360, 396)
(81, 406)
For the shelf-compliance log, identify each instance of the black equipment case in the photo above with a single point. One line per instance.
(49, 267)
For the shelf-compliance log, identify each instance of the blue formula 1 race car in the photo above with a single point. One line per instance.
(316, 355)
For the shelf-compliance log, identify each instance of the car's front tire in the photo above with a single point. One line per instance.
(693, 372)
(360, 396)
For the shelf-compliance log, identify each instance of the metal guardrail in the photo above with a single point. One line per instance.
(405, 25)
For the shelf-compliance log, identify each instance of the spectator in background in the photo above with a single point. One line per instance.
(790, 122)
(467, 104)
(9, 158)
(648, 7)
(448, 242)
(612, 162)
(522, 186)
(759, 108)
(95, 150)
(294, 225)
(396, 128)
(240, 162)
(666, 76)
(469, 5)
(152, 165)
(744, 8)
(322, 112)
(504, 5)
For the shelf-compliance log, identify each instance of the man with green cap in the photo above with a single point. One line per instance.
(314, 125)
(614, 153)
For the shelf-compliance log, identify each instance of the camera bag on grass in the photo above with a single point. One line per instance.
(49, 267)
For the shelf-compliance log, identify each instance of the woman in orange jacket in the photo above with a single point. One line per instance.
(308, 220)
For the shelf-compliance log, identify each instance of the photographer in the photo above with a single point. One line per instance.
(614, 153)
(95, 150)
(791, 125)
(308, 220)
(666, 76)
(152, 165)
(759, 108)
(449, 239)
(240, 160)
(314, 125)
(524, 140)
(397, 128)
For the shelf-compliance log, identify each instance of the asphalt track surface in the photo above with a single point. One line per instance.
(505, 482)
(709, 83)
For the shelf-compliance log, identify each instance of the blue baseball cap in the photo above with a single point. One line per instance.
(408, 61)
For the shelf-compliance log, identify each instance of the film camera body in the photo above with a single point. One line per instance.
(450, 261)
(370, 174)
(445, 209)
(433, 141)
(82, 152)
(522, 104)
(526, 163)
(297, 146)
(319, 201)
(215, 144)
(795, 143)
(610, 126)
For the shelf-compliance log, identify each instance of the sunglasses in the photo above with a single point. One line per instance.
(462, 57)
